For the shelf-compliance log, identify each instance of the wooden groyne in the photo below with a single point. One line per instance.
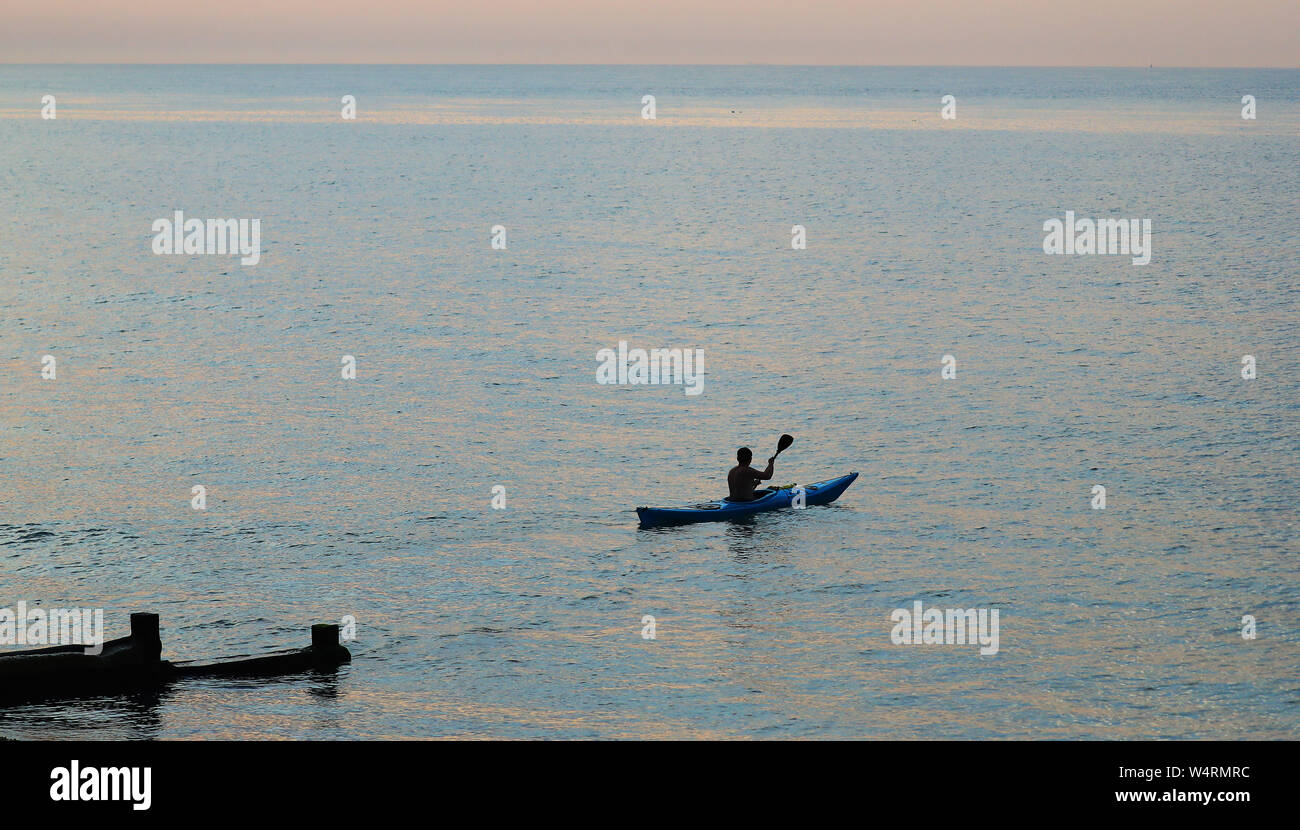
(124, 665)
(323, 654)
(134, 663)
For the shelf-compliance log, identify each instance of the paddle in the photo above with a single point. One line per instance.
(783, 444)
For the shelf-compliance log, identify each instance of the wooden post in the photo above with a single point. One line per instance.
(325, 637)
(144, 633)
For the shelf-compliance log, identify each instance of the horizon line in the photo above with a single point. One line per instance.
(651, 65)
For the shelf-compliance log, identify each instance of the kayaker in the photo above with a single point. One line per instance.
(742, 478)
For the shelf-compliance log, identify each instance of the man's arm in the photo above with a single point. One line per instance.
(766, 474)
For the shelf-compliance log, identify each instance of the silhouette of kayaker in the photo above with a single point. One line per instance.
(742, 478)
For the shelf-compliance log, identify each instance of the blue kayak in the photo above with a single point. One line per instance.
(823, 492)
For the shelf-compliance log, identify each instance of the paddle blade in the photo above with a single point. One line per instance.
(784, 443)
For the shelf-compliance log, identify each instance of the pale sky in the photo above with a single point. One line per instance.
(861, 32)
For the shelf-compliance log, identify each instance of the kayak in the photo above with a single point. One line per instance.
(823, 492)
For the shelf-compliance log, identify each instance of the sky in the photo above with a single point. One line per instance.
(1260, 33)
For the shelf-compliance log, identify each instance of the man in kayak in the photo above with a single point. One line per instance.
(742, 478)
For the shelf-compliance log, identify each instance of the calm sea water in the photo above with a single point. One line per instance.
(476, 368)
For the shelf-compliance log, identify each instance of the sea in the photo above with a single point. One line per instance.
(855, 269)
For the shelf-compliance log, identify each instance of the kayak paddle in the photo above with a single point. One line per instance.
(783, 444)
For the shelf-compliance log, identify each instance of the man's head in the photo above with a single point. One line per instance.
(744, 456)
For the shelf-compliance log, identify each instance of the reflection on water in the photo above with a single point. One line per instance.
(132, 717)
